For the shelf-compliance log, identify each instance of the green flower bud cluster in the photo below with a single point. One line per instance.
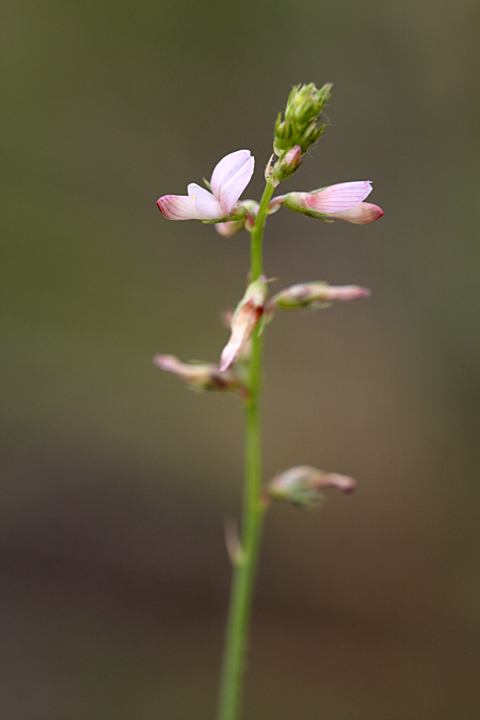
(299, 124)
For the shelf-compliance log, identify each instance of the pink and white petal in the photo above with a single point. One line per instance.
(231, 176)
(232, 350)
(232, 190)
(227, 229)
(360, 214)
(178, 207)
(276, 204)
(338, 198)
(227, 168)
(207, 206)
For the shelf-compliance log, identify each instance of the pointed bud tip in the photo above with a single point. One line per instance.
(166, 362)
(227, 359)
(347, 293)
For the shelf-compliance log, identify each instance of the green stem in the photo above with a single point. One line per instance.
(253, 510)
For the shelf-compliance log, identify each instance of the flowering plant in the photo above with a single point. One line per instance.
(239, 370)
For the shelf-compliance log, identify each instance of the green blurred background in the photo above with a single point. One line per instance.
(116, 480)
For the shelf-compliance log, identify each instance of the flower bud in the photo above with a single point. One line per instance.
(244, 320)
(311, 134)
(343, 201)
(284, 135)
(316, 295)
(303, 485)
(306, 102)
(229, 228)
(284, 167)
(201, 376)
(299, 125)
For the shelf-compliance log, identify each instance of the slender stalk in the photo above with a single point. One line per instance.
(245, 564)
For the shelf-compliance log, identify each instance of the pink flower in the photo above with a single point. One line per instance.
(342, 201)
(229, 179)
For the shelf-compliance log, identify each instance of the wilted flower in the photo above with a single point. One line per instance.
(315, 294)
(303, 485)
(342, 201)
(229, 179)
(244, 320)
(201, 376)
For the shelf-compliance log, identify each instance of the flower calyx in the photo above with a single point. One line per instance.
(246, 212)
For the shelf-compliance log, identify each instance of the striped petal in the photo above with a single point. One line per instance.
(338, 198)
(178, 207)
(231, 176)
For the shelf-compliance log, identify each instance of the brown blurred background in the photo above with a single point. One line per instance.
(116, 480)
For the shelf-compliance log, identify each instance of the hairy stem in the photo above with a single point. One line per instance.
(246, 562)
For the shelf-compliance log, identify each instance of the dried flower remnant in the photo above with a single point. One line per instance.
(244, 321)
(229, 179)
(201, 376)
(315, 295)
(303, 486)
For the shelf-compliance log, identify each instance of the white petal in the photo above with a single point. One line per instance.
(340, 197)
(231, 176)
(207, 206)
(178, 207)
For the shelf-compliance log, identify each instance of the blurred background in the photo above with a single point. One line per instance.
(116, 480)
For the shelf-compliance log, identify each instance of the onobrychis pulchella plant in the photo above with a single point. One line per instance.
(239, 369)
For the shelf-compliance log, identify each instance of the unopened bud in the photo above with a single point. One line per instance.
(343, 201)
(306, 102)
(299, 126)
(303, 486)
(229, 228)
(285, 166)
(284, 134)
(276, 204)
(316, 294)
(311, 134)
(244, 320)
(201, 376)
